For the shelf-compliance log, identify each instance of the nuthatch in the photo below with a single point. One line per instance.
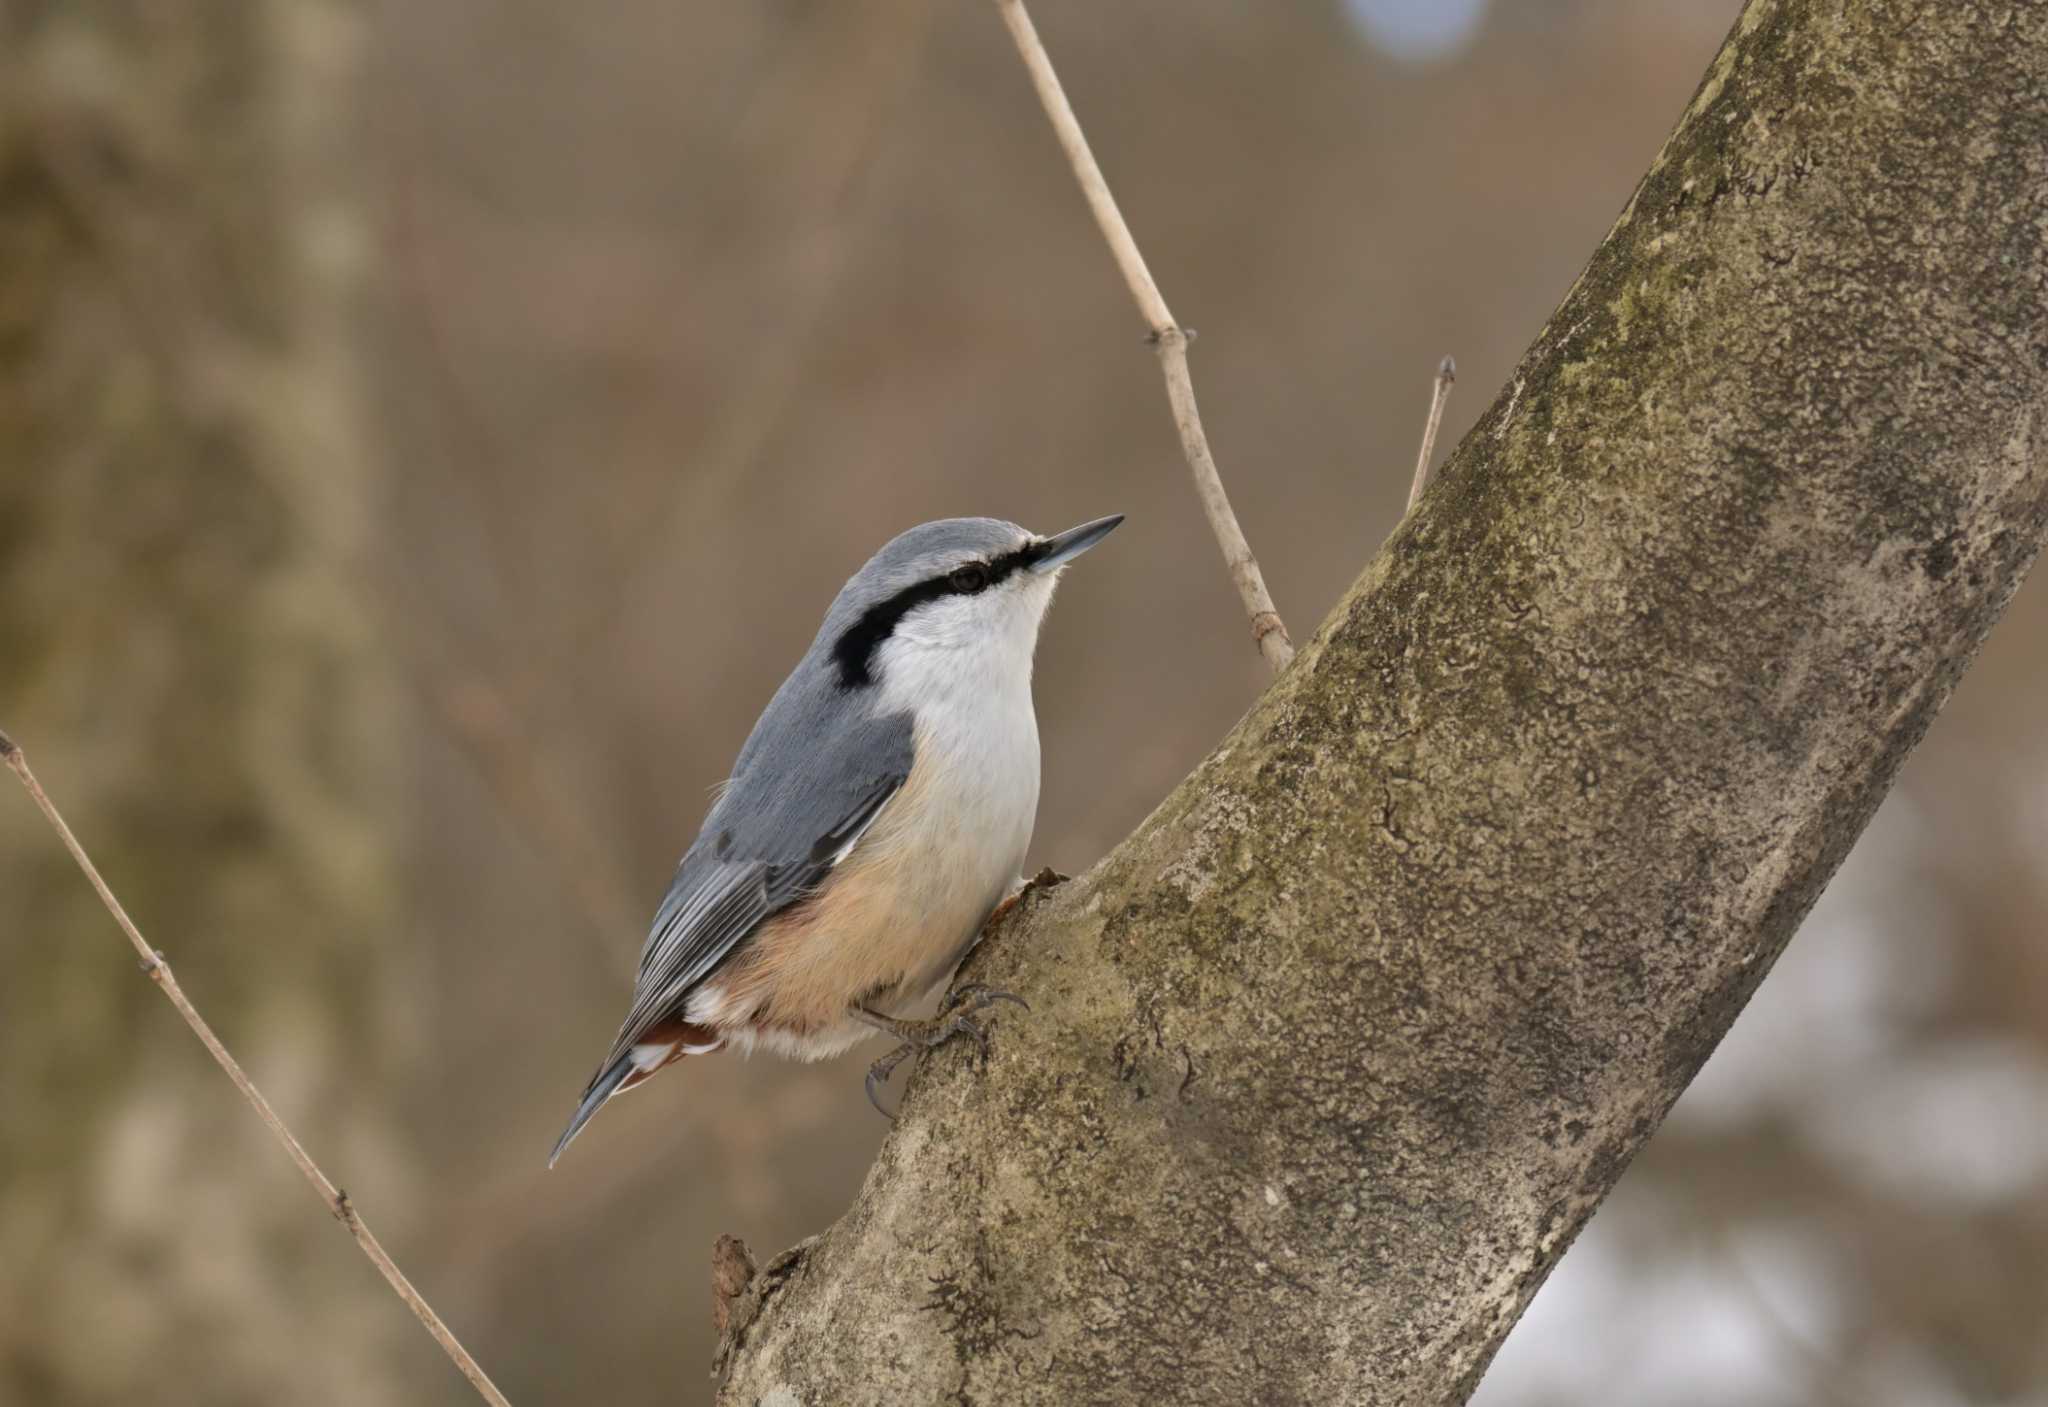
(877, 815)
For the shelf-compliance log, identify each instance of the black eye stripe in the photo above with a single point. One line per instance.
(853, 653)
(1010, 562)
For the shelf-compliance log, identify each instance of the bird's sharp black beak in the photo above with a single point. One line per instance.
(1056, 551)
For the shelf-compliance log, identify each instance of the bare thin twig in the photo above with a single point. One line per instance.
(1169, 338)
(336, 1199)
(1440, 391)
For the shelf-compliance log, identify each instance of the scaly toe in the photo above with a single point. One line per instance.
(977, 995)
(955, 1018)
(965, 1025)
(878, 1075)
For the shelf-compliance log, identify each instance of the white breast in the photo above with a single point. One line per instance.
(967, 824)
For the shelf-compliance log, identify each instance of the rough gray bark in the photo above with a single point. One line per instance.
(1330, 1060)
(182, 480)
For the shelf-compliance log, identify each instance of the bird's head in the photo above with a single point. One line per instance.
(962, 595)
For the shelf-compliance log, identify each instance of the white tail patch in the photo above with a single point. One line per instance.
(649, 1056)
(654, 1056)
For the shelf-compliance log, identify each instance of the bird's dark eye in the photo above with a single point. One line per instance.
(969, 579)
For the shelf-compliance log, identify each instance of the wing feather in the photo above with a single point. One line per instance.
(716, 903)
(818, 769)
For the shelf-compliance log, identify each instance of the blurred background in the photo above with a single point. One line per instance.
(428, 433)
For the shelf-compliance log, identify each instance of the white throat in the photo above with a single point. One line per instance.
(965, 680)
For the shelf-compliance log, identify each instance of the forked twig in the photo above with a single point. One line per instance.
(337, 1200)
(1440, 391)
(1168, 337)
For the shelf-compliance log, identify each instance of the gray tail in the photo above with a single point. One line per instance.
(602, 1088)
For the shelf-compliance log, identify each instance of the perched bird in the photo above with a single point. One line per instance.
(877, 815)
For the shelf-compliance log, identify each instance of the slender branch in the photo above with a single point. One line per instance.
(1440, 391)
(336, 1199)
(1168, 337)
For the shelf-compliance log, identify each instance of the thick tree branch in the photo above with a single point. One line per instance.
(1329, 1062)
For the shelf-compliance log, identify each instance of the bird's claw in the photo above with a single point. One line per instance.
(976, 995)
(955, 1018)
(878, 1075)
(974, 1030)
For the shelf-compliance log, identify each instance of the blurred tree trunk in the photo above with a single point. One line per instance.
(184, 482)
(1329, 1062)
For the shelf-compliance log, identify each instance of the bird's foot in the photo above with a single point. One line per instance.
(955, 1018)
(878, 1075)
(975, 996)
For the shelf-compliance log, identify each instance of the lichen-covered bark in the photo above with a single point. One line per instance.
(182, 478)
(1329, 1062)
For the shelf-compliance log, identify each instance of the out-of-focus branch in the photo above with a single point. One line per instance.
(1439, 392)
(336, 1199)
(1168, 337)
(477, 713)
(65, 143)
(1824, 1375)
(850, 106)
(480, 711)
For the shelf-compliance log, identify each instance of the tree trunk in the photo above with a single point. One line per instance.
(1328, 1063)
(181, 486)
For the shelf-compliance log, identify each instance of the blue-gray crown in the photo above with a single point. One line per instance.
(931, 560)
(952, 557)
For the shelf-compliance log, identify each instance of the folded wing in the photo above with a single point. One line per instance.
(811, 780)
